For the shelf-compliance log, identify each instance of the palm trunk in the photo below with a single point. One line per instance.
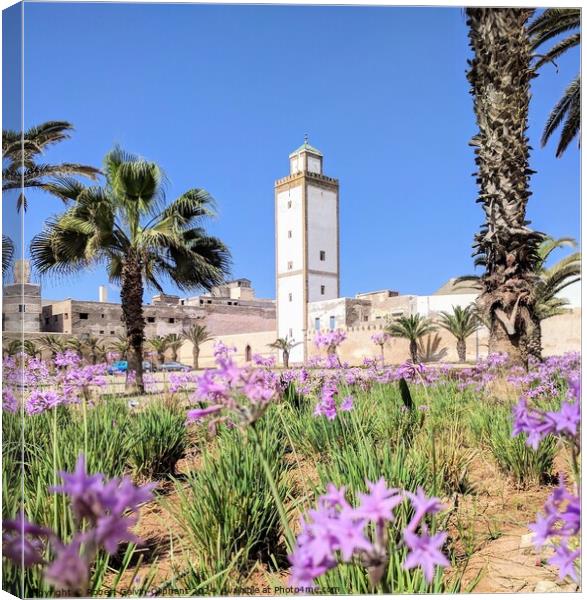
(500, 78)
(286, 359)
(462, 350)
(196, 356)
(414, 351)
(174, 355)
(131, 298)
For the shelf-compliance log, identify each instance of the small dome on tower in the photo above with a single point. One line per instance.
(306, 158)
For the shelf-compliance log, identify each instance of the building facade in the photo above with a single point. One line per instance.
(306, 244)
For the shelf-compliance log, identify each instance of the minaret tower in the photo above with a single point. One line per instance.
(306, 244)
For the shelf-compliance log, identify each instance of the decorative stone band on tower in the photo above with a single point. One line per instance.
(306, 244)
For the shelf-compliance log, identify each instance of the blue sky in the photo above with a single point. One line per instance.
(219, 96)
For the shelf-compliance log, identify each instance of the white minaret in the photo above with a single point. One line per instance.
(306, 244)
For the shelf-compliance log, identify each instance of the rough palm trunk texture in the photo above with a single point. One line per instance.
(500, 76)
(131, 298)
(462, 350)
(196, 356)
(414, 351)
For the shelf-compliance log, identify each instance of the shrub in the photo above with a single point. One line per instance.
(491, 426)
(227, 507)
(158, 440)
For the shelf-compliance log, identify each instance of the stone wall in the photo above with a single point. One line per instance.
(21, 307)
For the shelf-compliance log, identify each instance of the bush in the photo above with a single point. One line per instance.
(491, 426)
(227, 507)
(158, 440)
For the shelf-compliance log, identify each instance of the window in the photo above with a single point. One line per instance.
(209, 301)
(111, 332)
(229, 303)
(101, 331)
(201, 301)
(248, 353)
(22, 308)
(289, 234)
(102, 315)
(290, 333)
(317, 323)
(84, 316)
(66, 316)
(171, 320)
(322, 289)
(332, 322)
(150, 319)
(290, 296)
(322, 255)
(289, 204)
(290, 265)
(46, 320)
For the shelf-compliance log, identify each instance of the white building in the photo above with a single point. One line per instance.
(307, 243)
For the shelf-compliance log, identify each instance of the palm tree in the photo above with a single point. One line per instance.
(17, 346)
(285, 345)
(121, 346)
(53, 344)
(461, 323)
(175, 342)
(77, 345)
(125, 226)
(95, 348)
(20, 152)
(567, 111)
(159, 345)
(197, 335)
(7, 253)
(505, 246)
(411, 328)
(550, 281)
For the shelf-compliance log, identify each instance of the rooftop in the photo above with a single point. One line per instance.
(454, 287)
(305, 147)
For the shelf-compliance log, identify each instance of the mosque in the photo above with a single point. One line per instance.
(307, 259)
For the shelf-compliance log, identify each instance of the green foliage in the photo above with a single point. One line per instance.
(412, 327)
(158, 440)
(35, 449)
(227, 506)
(491, 426)
(461, 323)
(547, 26)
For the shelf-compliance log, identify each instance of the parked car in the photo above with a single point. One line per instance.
(173, 366)
(121, 366)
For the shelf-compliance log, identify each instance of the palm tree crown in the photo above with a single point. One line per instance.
(551, 23)
(127, 226)
(461, 323)
(20, 152)
(197, 335)
(412, 328)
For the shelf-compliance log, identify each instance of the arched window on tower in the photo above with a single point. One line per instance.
(248, 353)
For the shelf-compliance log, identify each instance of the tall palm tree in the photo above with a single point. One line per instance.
(461, 323)
(411, 328)
(285, 345)
(7, 254)
(175, 342)
(550, 282)
(20, 152)
(197, 335)
(142, 242)
(567, 111)
(160, 344)
(505, 246)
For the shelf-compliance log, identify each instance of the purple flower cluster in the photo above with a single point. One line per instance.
(103, 511)
(337, 532)
(330, 340)
(380, 338)
(233, 394)
(69, 358)
(327, 406)
(41, 400)
(537, 424)
(561, 520)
